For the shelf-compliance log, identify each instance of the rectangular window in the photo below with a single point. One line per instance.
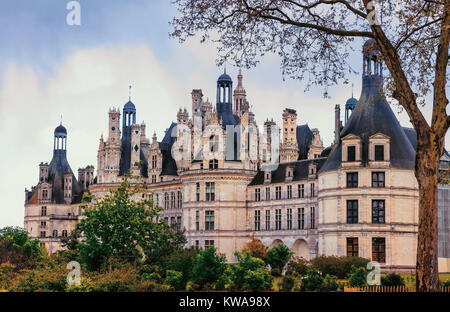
(209, 220)
(43, 224)
(352, 247)
(55, 233)
(166, 200)
(43, 211)
(213, 164)
(154, 158)
(352, 211)
(289, 191)
(64, 233)
(301, 218)
(42, 234)
(379, 152)
(267, 193)
(180, 199)
(267, 220)
(277, 219)
(378, 211)
(313, 218)
(210, 191)
(301, 191)
(172, 200)
(179, 222)
(257, 194)
(153, 178)
(197, 220)
(289, 219)
(197, 243)
(197, 192)
(257, 220)
(209, 243)
(377, 179)
(352, 179)
(379, 249)
(172, 221)
(313, 190)
(351, 153)
(278, 192)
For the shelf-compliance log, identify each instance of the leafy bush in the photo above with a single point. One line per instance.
(392, 280)
(275, 272)
(208, 267)
(8, 272)
(183, 261)
(278, 256)
(358, 277)
(330, 283)
(18, 248)
(86, 285)
(40, 281)
(224, 281)
(174, 279)
(299, 265)
(288, 283)
(250, 273)
(338, 266)
(256, 249)
(313, 281)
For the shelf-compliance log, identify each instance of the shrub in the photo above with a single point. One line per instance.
(119, 280)
(275, 272)
(183, 261)
(256, 249)
(288, 283)
(224, 281)
(7, 273)
(250, 273)
(299, 265)
(257, 280)
(392, 280)
(338, 266)
(174, 279)
(190, 286)
(155, 277)
(278, 256)
(313, 281)
(330, 283)
(40, 281)
(208, 267)
(358, 277)
(86, 285)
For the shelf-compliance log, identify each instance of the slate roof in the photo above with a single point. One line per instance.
(279, 175)
(304, 139)
(125, 157)
(169, 166)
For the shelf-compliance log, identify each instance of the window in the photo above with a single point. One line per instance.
(277, 219)
(166, 219)
(55, 233)
(377, 179)
(179, 199)
(64, 233)
(313, 218)
(352, 211)
(179, 222)
(377, 211)
(197, 243)
(43, 211)
(213, 143)
(379, 152)
(166, 200)
(267, 193)
(44, 194)
(257, 194)
(172, 221)
(213, 164)
(313, 191)
(154, 159)
(278, 192)
(43, 224)
(301, 218)
(257, 220)
(351, 153)
(42, 234)
(301, 191)
(172, 200)
(379, 249)
(210, 191)
(352, 247)
(289, 191)
(352, 179)
(267, 220)
(153, 178)
(197, 220)
(209, 243)
(209, 220)
(197, 192)
(289, 219)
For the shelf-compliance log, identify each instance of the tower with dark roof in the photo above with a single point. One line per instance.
(224, 106)
(239, 97)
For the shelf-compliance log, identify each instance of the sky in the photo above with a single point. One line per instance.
(49, 69)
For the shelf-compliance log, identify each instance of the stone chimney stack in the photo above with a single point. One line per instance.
(337, 123)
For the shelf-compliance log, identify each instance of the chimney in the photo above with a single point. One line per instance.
(337, 123)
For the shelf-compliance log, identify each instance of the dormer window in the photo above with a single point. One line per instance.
(351, 153)
(379, 149)
(351, 150)
(379, 152)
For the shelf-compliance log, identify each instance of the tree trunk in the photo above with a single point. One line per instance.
(426, 171)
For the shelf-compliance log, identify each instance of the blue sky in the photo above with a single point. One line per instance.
(48, 68)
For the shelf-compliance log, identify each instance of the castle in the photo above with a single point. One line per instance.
(224, 181)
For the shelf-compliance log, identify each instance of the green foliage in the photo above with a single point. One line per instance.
(250, 273)
(288, 282)
(299, 265)
(117, 226)
(18, 248)
(313, 281)
(7, 273)
(276, 272)
(174, 279)
(392, 279)
(183, 260)
(40, 281)
(358, 277)
(256, 249)
(330, 283)
(278, 256)
(338, 266)
(446, 284)
(208, 267)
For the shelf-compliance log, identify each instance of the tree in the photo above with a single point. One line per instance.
(18, 248)
(256, 249)
(117, 226)
(250, 273)
(208, 267)
(313, 39)
(278, 256)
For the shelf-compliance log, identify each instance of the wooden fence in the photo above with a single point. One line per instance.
(388, 289)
